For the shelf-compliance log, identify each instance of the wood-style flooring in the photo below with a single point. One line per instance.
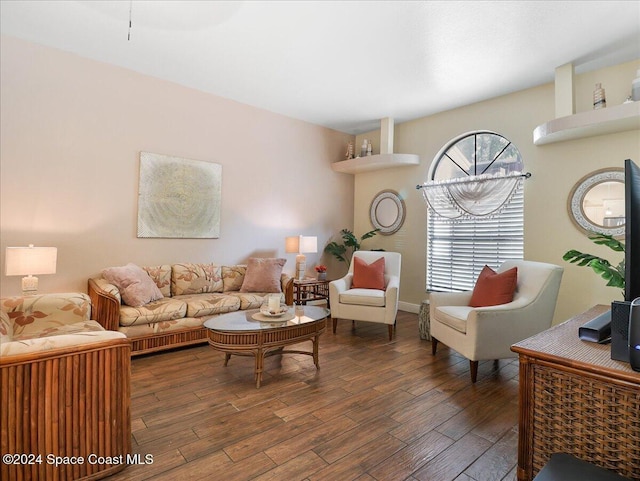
(376, 410)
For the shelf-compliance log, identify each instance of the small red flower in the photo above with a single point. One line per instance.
(321, 268)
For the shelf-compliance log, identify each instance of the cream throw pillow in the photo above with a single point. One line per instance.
(134, 284)
(263, 275)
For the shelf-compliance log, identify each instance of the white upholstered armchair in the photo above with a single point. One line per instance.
(370, 305)
(482, 333)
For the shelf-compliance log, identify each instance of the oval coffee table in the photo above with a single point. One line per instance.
(249, 333)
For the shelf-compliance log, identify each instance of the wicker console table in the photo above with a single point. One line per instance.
(575, 399)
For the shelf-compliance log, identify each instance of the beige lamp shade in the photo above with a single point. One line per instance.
(22, 261)
(292, 244)
(30, 261)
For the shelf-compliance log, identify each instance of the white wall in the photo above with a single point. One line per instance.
(71, 131)
(70, 136)
(549, 232)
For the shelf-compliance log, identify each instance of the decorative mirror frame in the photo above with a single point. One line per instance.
(395, 226)
(578, 193)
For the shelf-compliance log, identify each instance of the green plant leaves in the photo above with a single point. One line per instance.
(614, 275)
(607, 240)
(351, 242)
(607, 272)
(337, 250)
(370, 234)
(578, 257)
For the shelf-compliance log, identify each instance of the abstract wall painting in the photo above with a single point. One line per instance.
(178, 198)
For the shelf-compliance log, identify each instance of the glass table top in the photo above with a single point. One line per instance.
(244, 320)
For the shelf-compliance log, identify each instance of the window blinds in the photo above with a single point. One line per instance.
(457, 251)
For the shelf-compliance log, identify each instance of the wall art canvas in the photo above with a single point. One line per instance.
(178, 198)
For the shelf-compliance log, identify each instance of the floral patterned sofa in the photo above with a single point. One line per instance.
(36, 324)
(64, 379)
(190, 294)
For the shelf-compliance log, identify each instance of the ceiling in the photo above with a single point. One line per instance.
(340, 64)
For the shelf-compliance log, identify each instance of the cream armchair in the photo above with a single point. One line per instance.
(483, 333)
(370, 305)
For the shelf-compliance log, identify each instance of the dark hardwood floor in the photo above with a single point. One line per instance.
(376, 410)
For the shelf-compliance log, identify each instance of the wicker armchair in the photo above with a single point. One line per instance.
(65, 390)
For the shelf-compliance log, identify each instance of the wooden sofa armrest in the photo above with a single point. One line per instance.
(40, 355)
(71, 401)
(104, 306)
(288, 292)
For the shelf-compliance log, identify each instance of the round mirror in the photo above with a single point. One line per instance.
(387, 212)
(596, 203)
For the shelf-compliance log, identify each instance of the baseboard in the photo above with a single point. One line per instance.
(408, 307)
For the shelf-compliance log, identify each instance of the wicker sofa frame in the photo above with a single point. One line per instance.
(106, 310)
(69, 402)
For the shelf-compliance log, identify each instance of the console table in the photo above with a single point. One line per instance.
(575, 399)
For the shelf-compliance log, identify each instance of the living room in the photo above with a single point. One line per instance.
(73, 128)
(90, 121)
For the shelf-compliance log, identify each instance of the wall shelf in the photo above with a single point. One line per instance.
(618, 118)
(375, 162)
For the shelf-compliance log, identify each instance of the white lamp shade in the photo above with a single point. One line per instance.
(301, 244)
(24, 261)
(308, 244)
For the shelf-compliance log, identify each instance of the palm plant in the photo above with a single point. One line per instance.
(614, 275)
(343, 252)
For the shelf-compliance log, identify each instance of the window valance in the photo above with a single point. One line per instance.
(472, 196)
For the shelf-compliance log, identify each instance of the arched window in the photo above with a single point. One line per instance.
(476, 209)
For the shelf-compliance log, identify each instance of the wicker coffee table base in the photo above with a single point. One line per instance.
(267, 342)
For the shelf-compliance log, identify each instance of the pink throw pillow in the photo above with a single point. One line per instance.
(134, 284)
(368, 276)
(263, 275)
(494, 288)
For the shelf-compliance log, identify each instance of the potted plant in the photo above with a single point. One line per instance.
(343, 252)
(322, 272)
(614, 275)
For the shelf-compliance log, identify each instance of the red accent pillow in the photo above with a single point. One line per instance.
(368, 276)
(494, 288)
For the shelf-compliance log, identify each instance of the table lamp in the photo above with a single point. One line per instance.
(301, 245)
(30, 261)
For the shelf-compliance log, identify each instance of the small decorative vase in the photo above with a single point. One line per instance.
(322, 276)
